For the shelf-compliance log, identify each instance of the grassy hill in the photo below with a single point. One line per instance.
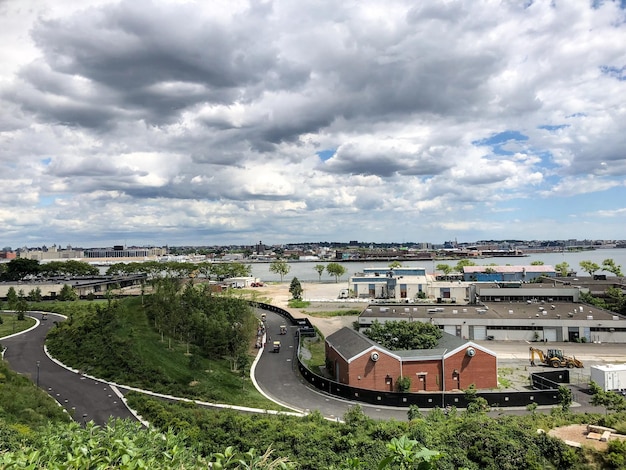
(122, 346)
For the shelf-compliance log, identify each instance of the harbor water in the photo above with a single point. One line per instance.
(305, 270)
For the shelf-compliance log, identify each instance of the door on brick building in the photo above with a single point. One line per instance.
(421, 380)
(389, 382)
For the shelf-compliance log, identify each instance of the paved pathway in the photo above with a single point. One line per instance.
(84, 398)
(275, 375)
(278, 378)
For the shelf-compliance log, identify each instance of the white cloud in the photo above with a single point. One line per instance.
(184, 120)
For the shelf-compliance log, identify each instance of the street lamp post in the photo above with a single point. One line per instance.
(38, 363)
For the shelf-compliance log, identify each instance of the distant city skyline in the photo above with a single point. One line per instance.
(449, 244)
(170, 122)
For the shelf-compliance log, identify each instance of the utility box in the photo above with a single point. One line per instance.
(609, 377)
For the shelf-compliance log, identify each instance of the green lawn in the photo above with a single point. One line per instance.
(331, 313)
(137, 355)
(10, 324)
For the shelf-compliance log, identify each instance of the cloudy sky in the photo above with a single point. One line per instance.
(226, 121)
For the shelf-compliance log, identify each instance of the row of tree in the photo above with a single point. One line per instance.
(177, 269)
(22, 268)
(282, 268)
(219, 325)
(562, 269)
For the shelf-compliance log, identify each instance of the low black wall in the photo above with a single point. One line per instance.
(304, 325)
(496, 399)
(549, 380)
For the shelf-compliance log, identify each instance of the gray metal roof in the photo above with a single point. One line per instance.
(565, 311)
(350, 343)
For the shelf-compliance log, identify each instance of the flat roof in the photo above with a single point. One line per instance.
(568, 311)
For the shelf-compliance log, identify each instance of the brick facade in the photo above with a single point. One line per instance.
(460, 369)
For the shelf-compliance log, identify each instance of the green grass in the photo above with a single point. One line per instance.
(10, 324)
(316, 356)
(21, 402)
(140, 357)
(331, 313)
(298, 303)
(503, 382)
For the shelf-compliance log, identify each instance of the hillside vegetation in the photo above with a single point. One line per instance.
(186, 341)
(179, 342)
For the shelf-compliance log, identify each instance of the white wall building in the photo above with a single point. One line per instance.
(407, 284)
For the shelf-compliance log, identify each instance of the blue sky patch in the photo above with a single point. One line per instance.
(46, 201)
(497, 141)
(501, 138)
(552, 128)
(46, 161)
(619, 73)
(326, 154)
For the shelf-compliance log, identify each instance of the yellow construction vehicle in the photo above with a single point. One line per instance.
(554, 358)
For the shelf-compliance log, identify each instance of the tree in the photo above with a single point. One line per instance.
(19, 268)
(610, 266)
(611, 401)
(403, 384)
(395, 264)
(404, 335)
(225, 270)
(446, 269)
(562, 268)
(22, 305)
(461, 264)
(615, 300)
(68, 268)
(537, 263)
(67, 293)
(320, 270)
(565, 397)
(35, 295)
(475, 404)
(280, 267)
(12, 298)
(295, 289)
(589, 267)
(335, 269)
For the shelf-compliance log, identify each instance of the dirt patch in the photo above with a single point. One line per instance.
(577, 433)
(323, 298)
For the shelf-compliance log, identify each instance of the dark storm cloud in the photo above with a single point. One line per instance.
(157, 59)
(360, 159)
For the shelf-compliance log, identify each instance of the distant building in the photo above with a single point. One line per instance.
(8, 255)
(406, 284)
(121, 252)
(84, 286)
(528, 312)
(507, 273)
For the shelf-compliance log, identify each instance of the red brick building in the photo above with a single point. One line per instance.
(8, 255)
(454, 364)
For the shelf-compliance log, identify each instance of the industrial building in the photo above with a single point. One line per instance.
(84, 286)
(405, 283)
(454, 364)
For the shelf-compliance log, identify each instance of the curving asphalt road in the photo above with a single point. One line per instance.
(277, 377)
(274, 374)
(84, 398)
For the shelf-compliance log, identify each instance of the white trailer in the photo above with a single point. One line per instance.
(241, 282)
(609, 377)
